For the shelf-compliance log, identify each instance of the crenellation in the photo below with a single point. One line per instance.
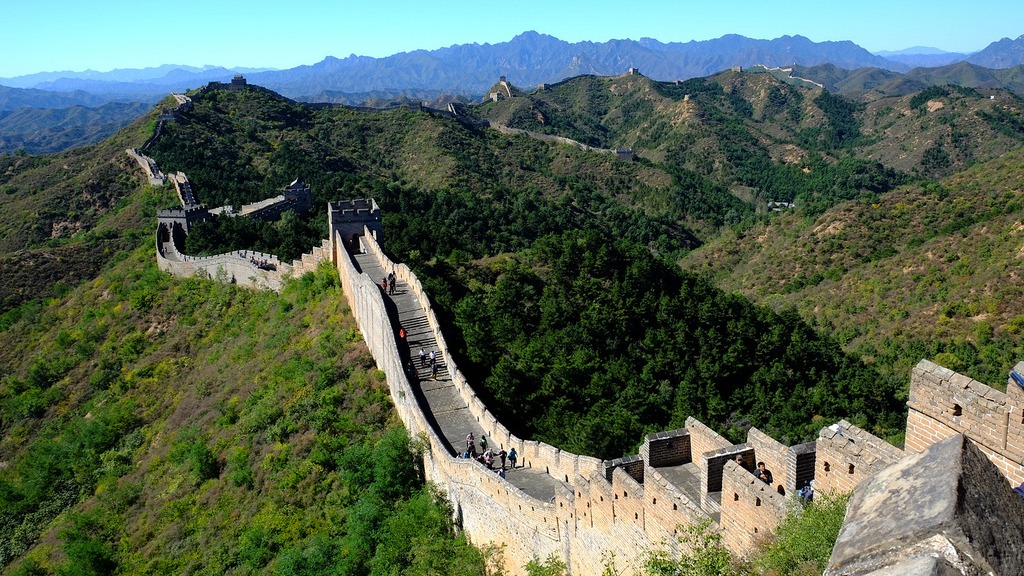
(750, 508)
(774, 454)
(667, 448)
(846, 455)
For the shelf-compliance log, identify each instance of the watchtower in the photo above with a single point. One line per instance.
(173, 223)
(350, 219)
(299, 195)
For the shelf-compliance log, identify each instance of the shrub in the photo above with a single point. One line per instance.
(804, 540)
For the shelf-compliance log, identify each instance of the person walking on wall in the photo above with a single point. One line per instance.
(423, 358)
(512, 456)
(483, 442)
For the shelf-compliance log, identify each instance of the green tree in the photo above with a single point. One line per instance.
(707, 555)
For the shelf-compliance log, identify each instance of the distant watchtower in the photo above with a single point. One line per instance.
(348, 218)
(298, 195)
(238, 83)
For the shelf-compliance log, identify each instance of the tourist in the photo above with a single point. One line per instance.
(807, 492)
(501, 472)
(763, 474)
(401, 334)
(469, 441)
(433, 371)
(488, 458)
(483, 442)
(384, 285)
(423, 358)
(502, 455)
(512, 456)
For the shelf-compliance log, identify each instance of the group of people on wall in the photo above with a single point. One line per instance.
(487, 456)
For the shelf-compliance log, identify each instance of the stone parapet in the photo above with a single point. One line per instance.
(668, 448)
(775, 456)
(846, 455)
(943, 403)
(946, 510)
(750, 509)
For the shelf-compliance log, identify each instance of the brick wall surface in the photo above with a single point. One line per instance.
(667, 448)
(943, 403)
(846, 455)
(751, 509)
(774, 455)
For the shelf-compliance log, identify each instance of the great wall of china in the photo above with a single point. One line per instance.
(588, 512)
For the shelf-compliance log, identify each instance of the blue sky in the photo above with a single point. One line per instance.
(52, 35)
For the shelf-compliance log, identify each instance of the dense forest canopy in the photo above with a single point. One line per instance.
(588, 343)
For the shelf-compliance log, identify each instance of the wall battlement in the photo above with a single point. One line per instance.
(943, 403)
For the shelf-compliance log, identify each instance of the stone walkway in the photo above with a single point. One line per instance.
(438, 396)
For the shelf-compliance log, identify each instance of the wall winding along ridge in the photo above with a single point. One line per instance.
(582, 510)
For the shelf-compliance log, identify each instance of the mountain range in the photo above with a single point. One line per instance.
(529, 59)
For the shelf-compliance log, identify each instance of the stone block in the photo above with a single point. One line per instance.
(947, 502)
(920, 566)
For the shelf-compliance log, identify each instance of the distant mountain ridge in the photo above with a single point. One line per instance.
(529, 59)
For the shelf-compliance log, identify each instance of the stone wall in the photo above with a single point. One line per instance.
(942, 511)
(620, 507)
(235, 267)
(668, 448)
(776, 458)
(750, 509)
(846, 455)
(149, 167)
(615, 508)
(551, 138)
(943, 403)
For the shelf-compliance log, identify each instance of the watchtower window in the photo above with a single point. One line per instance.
(958, 410)
(851, 468)
(827, 466)
(735, 497)
(757, 502)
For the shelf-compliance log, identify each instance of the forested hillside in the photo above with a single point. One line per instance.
(160, 425)
(613, 339)
(929, 271)
(155, 425)
(766, 139)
